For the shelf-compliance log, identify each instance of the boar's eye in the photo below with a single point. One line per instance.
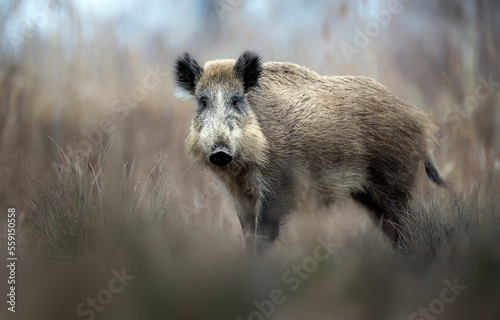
(203, 102)
(235, 102)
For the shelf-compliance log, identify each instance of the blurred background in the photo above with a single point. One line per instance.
(92, 156)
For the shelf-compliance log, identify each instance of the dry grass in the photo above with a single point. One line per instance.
(131, 200)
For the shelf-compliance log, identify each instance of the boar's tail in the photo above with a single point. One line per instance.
(433, 174)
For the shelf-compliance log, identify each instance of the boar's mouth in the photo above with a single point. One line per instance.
(221, 156)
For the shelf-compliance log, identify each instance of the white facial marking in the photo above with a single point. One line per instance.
(219, 104)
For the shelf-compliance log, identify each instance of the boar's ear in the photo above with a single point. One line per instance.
(248, 68)
(187, 73)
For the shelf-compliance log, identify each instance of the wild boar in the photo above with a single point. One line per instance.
(276, 134)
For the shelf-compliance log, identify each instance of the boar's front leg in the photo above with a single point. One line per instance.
(260, 221)
(246, 210)
(274, 208)
(262, 217)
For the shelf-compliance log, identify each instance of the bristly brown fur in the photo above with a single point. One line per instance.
(336, 137)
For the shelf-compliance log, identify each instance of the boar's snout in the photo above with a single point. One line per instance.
(221, 156)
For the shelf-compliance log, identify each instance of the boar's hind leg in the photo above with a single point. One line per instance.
(387, 208)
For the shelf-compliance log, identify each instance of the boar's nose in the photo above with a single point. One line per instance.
(221, 156)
